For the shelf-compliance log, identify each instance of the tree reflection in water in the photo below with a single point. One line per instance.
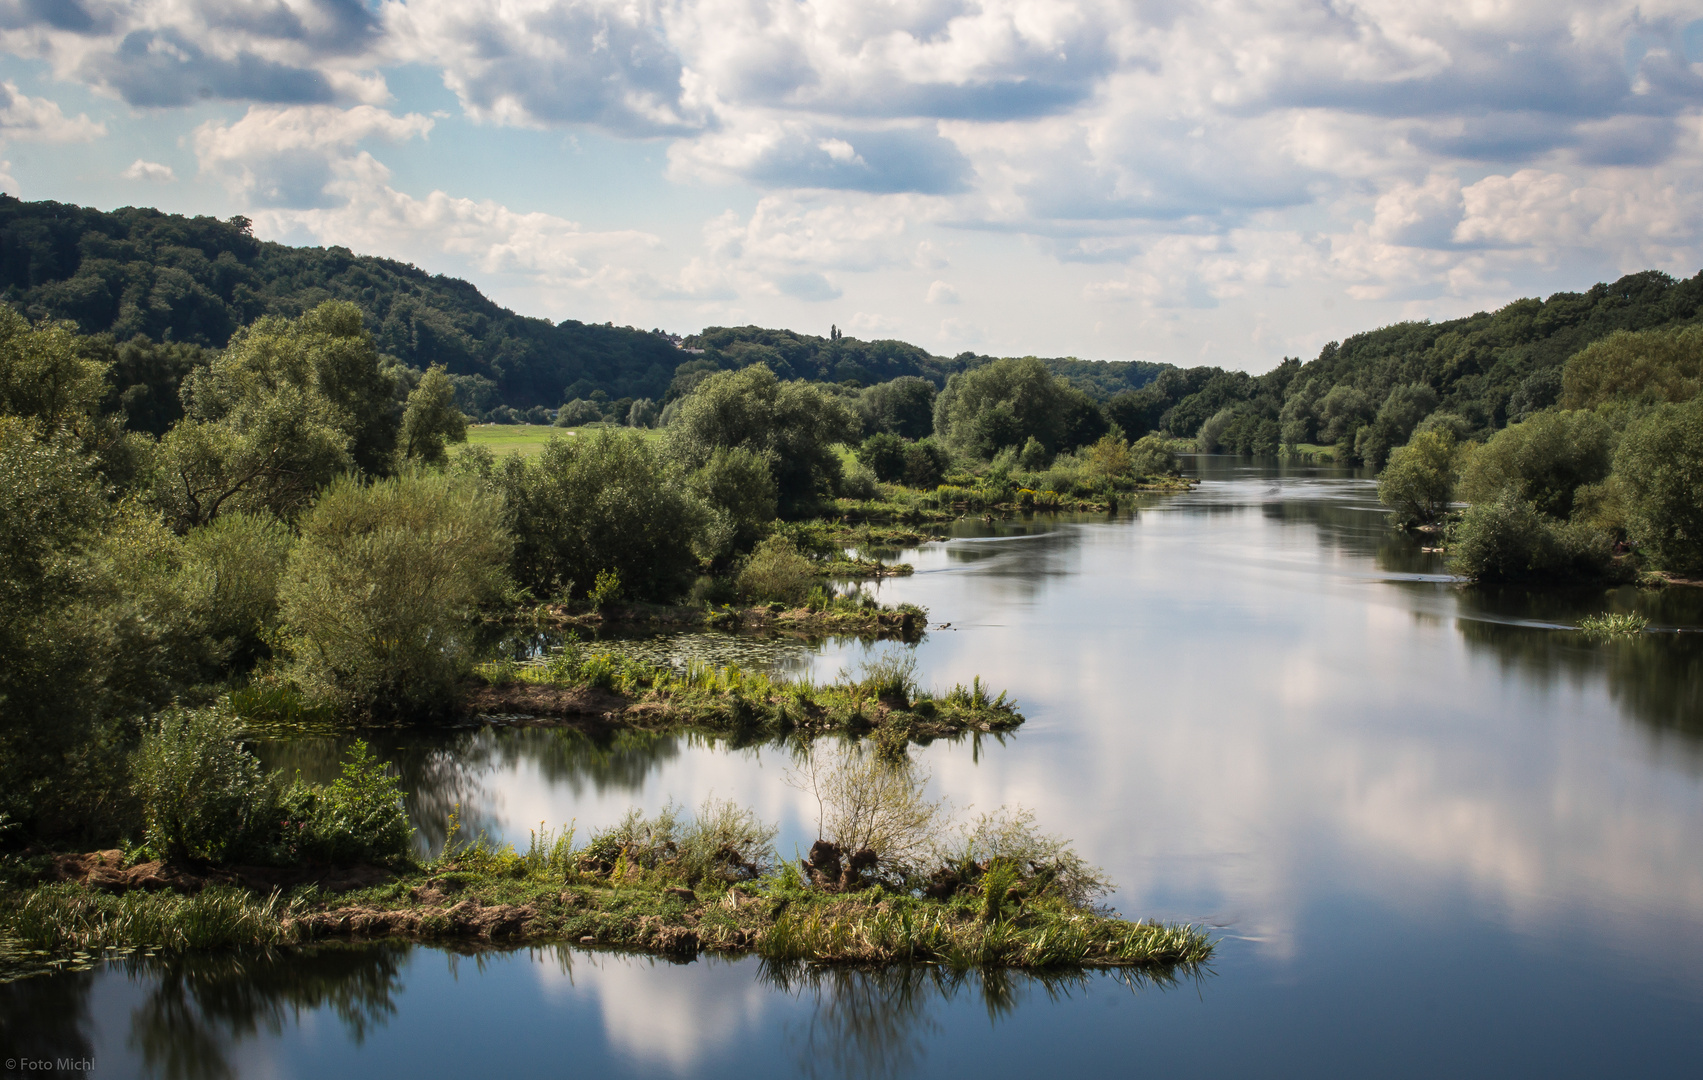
(47, 1016)
(1655, 678)
(875, 1022)
(200, 1006)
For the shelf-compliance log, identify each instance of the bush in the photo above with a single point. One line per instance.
(382, 588)
(1660, 469)
(1509, 540)
(1047, 862)
(1543, 461)
(1419, 481)
(868, 802)
(859, 483)
(724, 843)
(360, 817)
(1108, 460)
(604, 501)
(776, 571)
(203, 796)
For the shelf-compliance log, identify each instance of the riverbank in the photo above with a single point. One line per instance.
(510, 900)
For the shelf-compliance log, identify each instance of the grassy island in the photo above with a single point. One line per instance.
(892, 880)
(609, 690)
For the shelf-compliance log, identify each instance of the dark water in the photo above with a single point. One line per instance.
(1436, 835)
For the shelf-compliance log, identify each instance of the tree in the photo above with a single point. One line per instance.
(1419, 481)
(925, 464)
(328, 356)
(883, 454)
(431, 420)
(1645, 367)
(46, 376)
(1542, 461)
(793, 425)
(1660, 467)
(606, 501)
(1400, 413)
(739, 491)
(1003, 404)
(902, 407)
(287, 407)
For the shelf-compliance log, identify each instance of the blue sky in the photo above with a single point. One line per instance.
(1224, 182)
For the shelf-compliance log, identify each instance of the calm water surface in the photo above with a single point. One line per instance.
(1437, 835)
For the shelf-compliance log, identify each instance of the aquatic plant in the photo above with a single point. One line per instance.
(1612, 624)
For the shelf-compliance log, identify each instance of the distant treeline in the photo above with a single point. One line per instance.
(164, 291)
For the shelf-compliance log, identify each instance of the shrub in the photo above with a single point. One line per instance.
(1543, 461)
(723, 843)
(1108, 460)
(891, 676)
(1510, 540)
(203, 796)
(776, 571)
(1419, 481)
(231, 572)
(606, 591)
(381, 590)
(359, 817)
(1660, 468)
(869, 802)
(858, 483)
(1009, 836)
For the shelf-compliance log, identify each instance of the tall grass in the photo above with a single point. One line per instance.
(68, 916)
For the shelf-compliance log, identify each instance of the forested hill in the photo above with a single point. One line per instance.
(137, 271)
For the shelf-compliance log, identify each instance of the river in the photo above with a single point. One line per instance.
(1435, 833)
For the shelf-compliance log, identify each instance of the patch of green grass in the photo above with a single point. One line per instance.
(529, 439)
